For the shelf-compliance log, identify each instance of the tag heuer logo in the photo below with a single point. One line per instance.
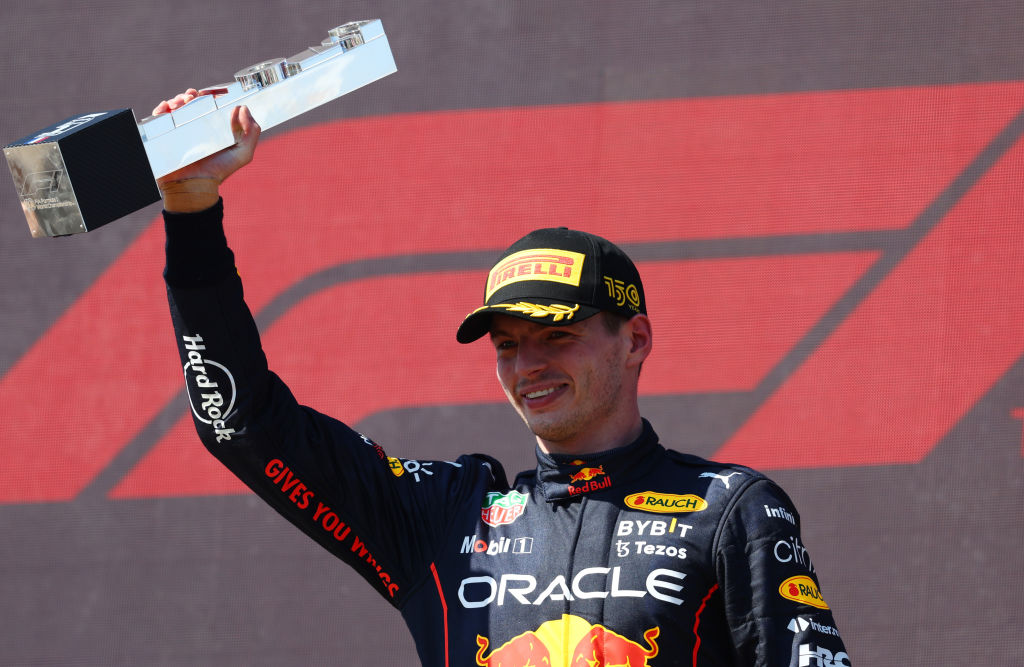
(502, 508)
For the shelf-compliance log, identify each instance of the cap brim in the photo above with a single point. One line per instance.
(553, 313)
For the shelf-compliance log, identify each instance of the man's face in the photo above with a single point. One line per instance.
(574, 386)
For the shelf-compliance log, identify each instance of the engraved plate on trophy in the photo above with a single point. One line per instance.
(94, 168)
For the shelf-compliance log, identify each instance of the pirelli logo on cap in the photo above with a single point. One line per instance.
(559, 266)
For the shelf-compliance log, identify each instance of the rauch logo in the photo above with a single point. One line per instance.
(803, 590)
(665, 503)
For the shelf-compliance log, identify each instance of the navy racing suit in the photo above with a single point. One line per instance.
(635, 556)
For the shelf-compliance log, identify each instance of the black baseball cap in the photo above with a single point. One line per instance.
(557, 277)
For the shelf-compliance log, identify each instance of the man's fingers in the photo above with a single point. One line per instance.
(246, 131)
(175, 102)
(182, 99)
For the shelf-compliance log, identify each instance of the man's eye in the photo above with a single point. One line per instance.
(504, 345)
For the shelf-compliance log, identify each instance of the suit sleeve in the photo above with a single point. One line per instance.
(776, 611)
(334, 484)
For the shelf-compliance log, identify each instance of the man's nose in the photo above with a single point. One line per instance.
(531, 358)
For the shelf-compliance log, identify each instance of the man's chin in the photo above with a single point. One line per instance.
(550, 431)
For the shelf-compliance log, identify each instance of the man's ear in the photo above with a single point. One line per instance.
(638, 329)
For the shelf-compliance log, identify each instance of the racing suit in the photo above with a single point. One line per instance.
(639, 555)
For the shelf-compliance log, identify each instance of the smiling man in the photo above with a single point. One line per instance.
(566, 314)
(614, 550)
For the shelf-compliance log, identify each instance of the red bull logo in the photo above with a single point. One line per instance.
(569, 641)
(586, 474)
(588, 483)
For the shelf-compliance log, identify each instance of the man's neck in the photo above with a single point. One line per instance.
(593, 444)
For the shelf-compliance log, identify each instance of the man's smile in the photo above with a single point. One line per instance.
(539, 396)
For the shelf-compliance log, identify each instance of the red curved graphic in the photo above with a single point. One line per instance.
(469, 180)
(912, 359)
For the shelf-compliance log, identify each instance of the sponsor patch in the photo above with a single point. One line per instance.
(589, 583)
(586, 474)
(560, 266)
(502, 508)
(803, 590)
(655, 533)
(724, 479)
(413, 467)
(801, 624)
(780, 513)
(665, 503)
(569, 641)
(791, 551)
(816, 656)
(587, 480)
(502, 545)
(210, 388)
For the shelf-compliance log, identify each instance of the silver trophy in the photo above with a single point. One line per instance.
(91, 169)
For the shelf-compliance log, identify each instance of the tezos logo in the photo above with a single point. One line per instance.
(803, 590)
(210, 386)
(665, 503)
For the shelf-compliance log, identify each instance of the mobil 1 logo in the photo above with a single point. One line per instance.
(210, 386)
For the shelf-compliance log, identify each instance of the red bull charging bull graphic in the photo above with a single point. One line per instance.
(589, 479)
(569, 642)
(586, 474)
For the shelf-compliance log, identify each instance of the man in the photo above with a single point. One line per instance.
(614, 551)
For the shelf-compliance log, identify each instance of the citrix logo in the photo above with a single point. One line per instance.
(793, 551)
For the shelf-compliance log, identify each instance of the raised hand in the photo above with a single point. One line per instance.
(197, 186)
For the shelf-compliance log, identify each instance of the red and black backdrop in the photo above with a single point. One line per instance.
(825, 199)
